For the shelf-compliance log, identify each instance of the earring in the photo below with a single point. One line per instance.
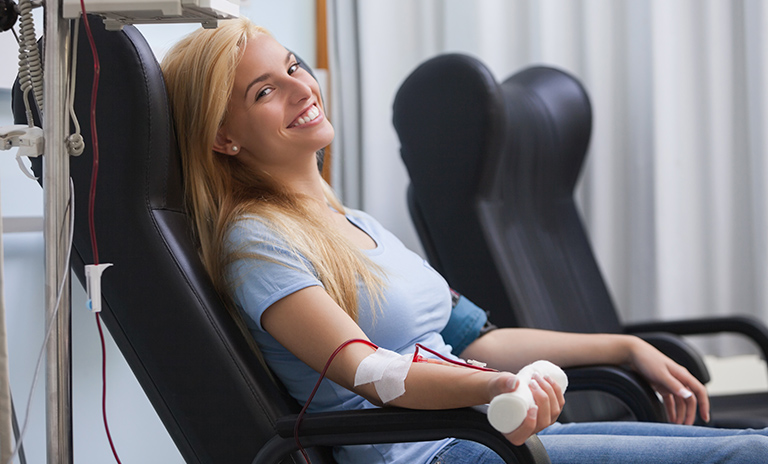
(235, 148)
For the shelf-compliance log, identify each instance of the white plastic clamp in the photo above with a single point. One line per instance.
(29, 140)
(93, 285)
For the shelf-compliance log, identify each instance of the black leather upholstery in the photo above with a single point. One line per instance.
(518, 150)
(204, 379)
(450, 116)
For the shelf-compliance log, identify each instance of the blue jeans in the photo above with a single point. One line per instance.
(629, 442)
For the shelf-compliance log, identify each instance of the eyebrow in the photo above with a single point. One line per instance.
(264, 77)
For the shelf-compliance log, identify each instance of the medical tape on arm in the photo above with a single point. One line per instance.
(387, 370)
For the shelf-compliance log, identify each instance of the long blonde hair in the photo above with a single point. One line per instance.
(199, 73)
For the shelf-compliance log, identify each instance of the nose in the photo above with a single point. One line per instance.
(299, 90)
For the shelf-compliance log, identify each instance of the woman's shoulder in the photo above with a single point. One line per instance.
(251, 230)
(247, 225)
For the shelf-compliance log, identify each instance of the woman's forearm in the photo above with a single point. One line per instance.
(511, 349)
(439, 386)
(427, 385)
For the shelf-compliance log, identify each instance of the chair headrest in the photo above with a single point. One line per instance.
(445, 112)
(549, 119)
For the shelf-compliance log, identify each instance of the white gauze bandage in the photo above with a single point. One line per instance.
(387, 370)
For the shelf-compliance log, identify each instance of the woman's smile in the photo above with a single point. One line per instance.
(276, 116)
(312, 114)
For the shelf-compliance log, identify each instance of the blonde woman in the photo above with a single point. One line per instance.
(306, 275)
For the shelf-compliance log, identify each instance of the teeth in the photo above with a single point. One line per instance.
(311, 115)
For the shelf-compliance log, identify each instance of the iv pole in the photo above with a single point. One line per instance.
(56, 231)
(56, 236)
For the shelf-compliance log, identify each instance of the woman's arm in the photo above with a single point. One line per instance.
(511, 349)
(311, 326)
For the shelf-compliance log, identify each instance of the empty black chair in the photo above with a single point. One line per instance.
(219, 403)
(516, 152)
(450, 114)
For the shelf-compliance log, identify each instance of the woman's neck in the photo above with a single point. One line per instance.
(304, 180)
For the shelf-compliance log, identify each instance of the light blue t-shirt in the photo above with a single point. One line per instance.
(416, 307)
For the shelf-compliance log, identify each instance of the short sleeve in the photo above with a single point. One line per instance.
(263, 269)
(464, 326)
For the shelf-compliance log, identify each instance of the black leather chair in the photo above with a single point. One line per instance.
(491, 195)
(197, 367)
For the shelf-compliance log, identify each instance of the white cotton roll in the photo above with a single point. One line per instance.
(508, 410)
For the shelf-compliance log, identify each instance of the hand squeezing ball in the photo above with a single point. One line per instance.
(508, 410)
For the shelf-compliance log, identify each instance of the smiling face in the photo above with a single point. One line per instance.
(275, 119)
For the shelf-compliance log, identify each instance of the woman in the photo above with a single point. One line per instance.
(306, 275)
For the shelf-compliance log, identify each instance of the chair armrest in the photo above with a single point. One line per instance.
(395, 425)
(625, 385)
(748, 326)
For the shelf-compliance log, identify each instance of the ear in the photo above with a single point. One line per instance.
(225, 145)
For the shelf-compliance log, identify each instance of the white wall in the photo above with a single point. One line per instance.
(138, 434)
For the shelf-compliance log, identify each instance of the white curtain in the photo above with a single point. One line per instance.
(674, 189)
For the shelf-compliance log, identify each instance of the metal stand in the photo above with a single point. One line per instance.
(56, 235)
(56, 196)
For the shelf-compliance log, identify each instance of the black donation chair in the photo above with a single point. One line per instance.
(444, 157)
(491, 196)
(201, 374)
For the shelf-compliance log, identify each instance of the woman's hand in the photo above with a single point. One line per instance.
(549, 403)
(680, 390)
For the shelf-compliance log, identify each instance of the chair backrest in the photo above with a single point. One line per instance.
(528, 210)
(449, 116)
(199, 371)
(518, 216)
